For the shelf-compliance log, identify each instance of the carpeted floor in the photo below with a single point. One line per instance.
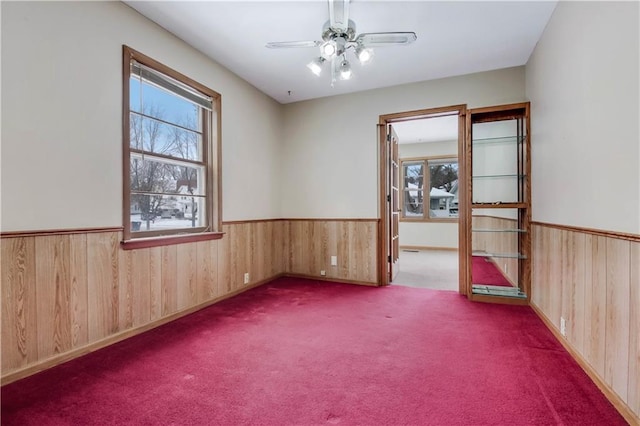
(298, 352)
(484, 271)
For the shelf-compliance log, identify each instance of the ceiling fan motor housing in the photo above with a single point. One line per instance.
(329, 33)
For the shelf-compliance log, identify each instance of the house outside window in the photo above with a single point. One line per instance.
(430, 189)
(171, 152)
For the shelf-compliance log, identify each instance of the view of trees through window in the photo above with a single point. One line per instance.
(167, 164)
(442, 182)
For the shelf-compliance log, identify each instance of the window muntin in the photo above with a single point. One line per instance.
(438, 176)
(170, 152)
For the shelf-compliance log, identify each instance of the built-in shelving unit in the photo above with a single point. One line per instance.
(499, 213)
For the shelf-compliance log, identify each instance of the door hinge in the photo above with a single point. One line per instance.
(388, 137)
(389, 259)
(388, 198)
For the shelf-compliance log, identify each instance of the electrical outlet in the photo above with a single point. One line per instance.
(323, 273)
(506, 269)
(334, 260)
(563, 326)
(246, 278)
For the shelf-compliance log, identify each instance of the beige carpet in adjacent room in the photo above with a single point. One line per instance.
(435, 269)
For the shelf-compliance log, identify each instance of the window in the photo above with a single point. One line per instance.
(171, 153)
(440, 175)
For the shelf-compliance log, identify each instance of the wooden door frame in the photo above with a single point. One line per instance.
(383, 172)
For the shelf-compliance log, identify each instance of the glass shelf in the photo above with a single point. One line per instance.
(498, 230)
(500, 255)
(492, 290)
(502, 139)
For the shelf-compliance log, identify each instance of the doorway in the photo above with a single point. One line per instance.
(422, 197)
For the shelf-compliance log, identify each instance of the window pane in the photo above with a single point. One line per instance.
(159, 103)
(443, 195)
(413, 175)
(413, 203)
(160, 176)
(165, 212)
(413, 189)
(153, 136)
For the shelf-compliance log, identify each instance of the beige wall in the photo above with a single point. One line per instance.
(428, 149)
(62, 125)
(582, 81)
(330, 144)
(429, 234)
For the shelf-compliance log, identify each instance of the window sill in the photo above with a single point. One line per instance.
(167, 240)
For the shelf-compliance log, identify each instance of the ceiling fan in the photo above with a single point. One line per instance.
(338, 36)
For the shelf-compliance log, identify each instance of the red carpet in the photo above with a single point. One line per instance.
(486, 272)
(297, 352)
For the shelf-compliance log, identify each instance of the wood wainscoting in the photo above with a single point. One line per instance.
(66, 293)
(312, 242)
(591, 278)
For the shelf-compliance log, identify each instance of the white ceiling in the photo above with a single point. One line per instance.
(454, 38)
(435, 129)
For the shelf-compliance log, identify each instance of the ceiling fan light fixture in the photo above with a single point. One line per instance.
(364, 54)
(345, 70)
(316, 65)
(328, 49)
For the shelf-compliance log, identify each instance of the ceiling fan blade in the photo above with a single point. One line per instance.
(339, 14)
(289, 44)
(386, 39)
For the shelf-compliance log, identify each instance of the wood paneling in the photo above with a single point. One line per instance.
(53, 289)
(592, 231)
(593, 281)
(633, 390)
(312, 243)
(155, 283)
(595, 303)
(186, 279)
(51, 232)
(125, 295)
(573, 290)
(224, 256)
(19, 322)
(103, 286)
(169, 280)
(617, 325)
(79, 297)
(206, 274)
